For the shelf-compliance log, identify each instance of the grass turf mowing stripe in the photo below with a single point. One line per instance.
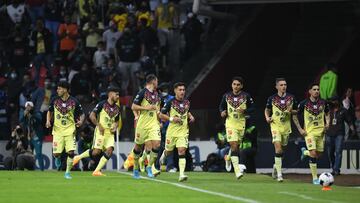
(306, 197)
(197, 189)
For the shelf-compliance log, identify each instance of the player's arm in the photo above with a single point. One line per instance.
(327, 117)
(79, 112)
(136, 106)
(250, 107)
(164, 114)
(49, 114)
(294, 107)
(296, 119)
(93, 117)
(191, 117)
(267, 111)
(223, 107)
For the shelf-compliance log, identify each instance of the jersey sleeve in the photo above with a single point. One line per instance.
(51, 104)
(250, 107)
(139, 97)
(97, 109)
(301, 107)
(223, 104)
(78, 109)
(167, 107)
(117, 118)
(269, 103)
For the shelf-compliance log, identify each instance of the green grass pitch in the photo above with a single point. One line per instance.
(51, 187)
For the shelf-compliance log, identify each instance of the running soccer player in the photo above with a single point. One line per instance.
(176, 110)
(235, 106)
(280, 107)
(316, 122)
(147, 102)
(67, 114)
(105, 116)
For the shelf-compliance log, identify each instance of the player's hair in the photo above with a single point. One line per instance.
(312, 85)
(178, 84)
(279, 79)
(64, 84)
(150, 78)
(238, 78)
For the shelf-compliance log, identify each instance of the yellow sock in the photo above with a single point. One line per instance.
(313, 168)
(306, 153)
(101, 164)
(85, 154)
(182, 164)
(153, 157)
(69, 162)
(235, 162)
(278, 165)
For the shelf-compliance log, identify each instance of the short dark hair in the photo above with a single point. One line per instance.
(238, 78)
(112, 89)
(279, 79)
(150, 78)
(178, 84)
(64, 84)
(312, 85)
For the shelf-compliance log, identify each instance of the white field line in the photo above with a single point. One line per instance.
(242, 199)
(305, 197)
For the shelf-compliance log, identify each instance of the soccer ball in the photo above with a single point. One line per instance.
(326, 179)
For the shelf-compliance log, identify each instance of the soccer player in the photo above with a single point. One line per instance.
(316, 122)
(176, 110)
(67, 114)
(105, 116)
(147, 129)
(234, 107)
(280, 107)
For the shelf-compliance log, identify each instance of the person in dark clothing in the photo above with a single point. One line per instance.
(80, 84)
(336, 132)
(148, 36)
(32, 122)
(21, 158)
(41, 44)
(192, 30)
(248, 148)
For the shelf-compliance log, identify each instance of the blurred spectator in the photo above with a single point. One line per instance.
(31, 92)
(148, 36)
(78, 56)
(192, 30)
(19, 54)
(4, 115)
(86, 8)
(35, 9)
(92, 31)
(100, 56)
(68, 33)
(16, 11)
(21, 158)
(48, 94)
(143, 12)
(110, 36)
(85, 143)
(52, 16)
(348, 104)
(119, 17)
(335, 133)
(13, 88)
(129, 49)
(221, 140)
(62, 76)
(80, 84)
(32, 123)
(41, 44)
(357, 121)
(328, 82)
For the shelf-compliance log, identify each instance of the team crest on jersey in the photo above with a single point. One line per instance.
(111, 110)
(282, 103)
(182, 107)
(55, 144)
(235, 100)
(315, 109)
(64, 107)
(152, 97)
(167, 141)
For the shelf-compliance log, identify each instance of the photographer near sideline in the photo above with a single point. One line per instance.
(21, 157)
(32, 122)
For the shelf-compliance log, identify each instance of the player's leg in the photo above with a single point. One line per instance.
(70, 146)
(234, 136)
(155, 137)
(108, 144)
(145, 155)
(137, 154)
(58, 147)
(169, 147)
(181, 145)
(97, 141)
